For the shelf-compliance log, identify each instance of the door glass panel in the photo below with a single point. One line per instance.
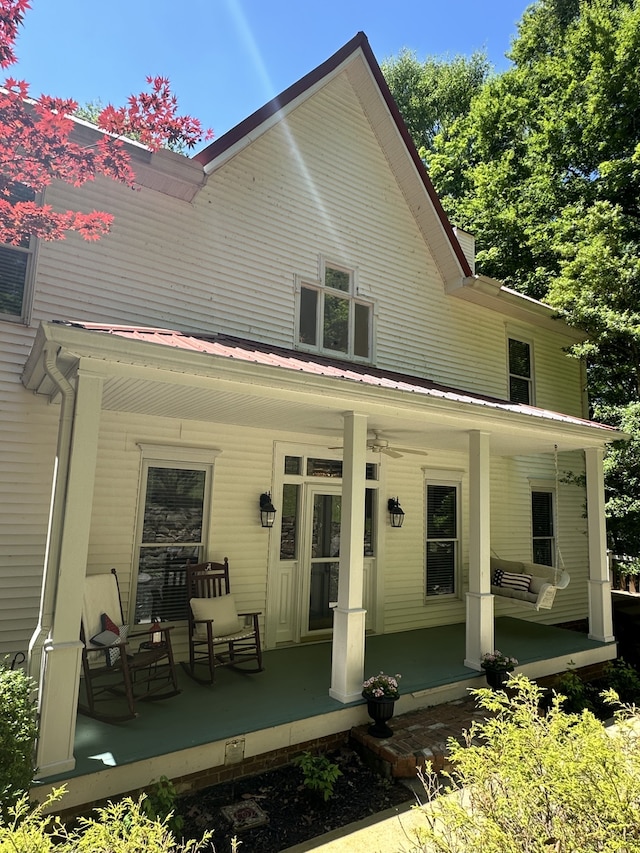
(308, 316)
(325, 538)
(324, 588)
(289, 528)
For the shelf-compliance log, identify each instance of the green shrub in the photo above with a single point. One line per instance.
(117, 828)
(159, 803)
(623, 678)
(527, 782)
(320, 774)
(18, 730)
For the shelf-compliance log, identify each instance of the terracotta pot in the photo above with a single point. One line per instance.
(380, 710)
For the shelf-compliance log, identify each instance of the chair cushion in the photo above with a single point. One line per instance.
(222, 610)
(515, 580)
(111, 633)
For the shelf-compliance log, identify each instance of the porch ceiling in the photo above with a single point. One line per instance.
(160, 373)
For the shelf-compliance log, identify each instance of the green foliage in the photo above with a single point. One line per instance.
(523, 781)
(160, 804)
(18, 731)
(117, 828)
(577, 694)
(624, 680)
(542, 164)
(320, 774)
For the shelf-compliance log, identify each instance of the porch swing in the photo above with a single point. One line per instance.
(531, 585)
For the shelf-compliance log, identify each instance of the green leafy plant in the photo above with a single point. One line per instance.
(320, 774)
(18, 730)
(577, 694)
(623, 678)
(159, 803)
(121, 827)
(524, 781)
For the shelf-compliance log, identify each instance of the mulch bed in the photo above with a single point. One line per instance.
(293, 813)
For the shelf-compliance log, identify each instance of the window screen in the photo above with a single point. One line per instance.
(442, 538)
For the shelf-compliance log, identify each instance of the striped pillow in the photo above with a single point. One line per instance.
(514, 580)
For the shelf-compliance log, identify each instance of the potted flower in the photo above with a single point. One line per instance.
(497, 667)
(381, 692)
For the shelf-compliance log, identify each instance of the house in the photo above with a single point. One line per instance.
(287, 313)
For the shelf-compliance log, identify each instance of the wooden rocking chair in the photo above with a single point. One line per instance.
(112, 671)
(218, 634)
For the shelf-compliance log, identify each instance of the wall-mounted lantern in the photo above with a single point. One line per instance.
(267, 510)
(396, 513)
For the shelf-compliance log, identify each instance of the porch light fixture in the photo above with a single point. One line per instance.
(267, 510)
(396, 513)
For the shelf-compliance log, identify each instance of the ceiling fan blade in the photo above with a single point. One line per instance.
(337, 447)
(412, 450)
(392, 453)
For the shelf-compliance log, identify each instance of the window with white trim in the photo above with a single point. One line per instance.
(442, 537)
(520, 371)
(172, 529)
(543, 527)
(332, 319)
(16, 264)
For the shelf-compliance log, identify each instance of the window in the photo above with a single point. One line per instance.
(542, 526)
(520, 372)
(175, 500)
(331, 318)
(15, 267)
(443, 538)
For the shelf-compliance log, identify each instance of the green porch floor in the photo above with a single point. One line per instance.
(294, 686)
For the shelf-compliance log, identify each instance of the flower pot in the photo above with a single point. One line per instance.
(497, 678)
(380, 710)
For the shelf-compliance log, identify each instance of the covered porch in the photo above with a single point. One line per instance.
(243, 716)
(129, 395)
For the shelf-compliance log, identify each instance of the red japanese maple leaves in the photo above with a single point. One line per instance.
(36, 146)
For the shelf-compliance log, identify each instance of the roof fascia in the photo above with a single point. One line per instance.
(112, 354)
(491, 293)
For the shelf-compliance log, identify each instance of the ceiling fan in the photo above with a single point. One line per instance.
(378, 444)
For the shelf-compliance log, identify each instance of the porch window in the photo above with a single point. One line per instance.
(542, 525)
(442, 545)
(520, 372)
(16, 264)
(332, 318)
(174, 512)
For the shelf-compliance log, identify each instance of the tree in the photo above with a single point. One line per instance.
(544, 169)
(432, 94)
(544, 784)
(37, 146)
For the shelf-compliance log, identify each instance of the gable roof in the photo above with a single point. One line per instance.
(356, 59)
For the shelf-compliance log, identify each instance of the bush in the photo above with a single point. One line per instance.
(117, 828)
(320, 774)
(522, 781)
(18, 730)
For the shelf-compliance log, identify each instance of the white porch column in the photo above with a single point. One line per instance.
(61, 658)
(347, 655)
(600, 615)
(479, 627)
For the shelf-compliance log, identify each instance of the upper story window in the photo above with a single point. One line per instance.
(520, 371)
(15, 267)
(331, 317)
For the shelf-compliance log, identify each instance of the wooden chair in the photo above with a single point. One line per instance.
(218, 634)
(112, 670)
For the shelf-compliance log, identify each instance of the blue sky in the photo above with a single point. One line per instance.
(225, 58)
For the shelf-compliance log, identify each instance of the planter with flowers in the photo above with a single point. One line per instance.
(497, 668)
(381, 692)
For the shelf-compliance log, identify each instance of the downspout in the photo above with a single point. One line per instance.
(56, 512)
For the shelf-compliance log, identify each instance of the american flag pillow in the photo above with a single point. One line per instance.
(514, 580)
